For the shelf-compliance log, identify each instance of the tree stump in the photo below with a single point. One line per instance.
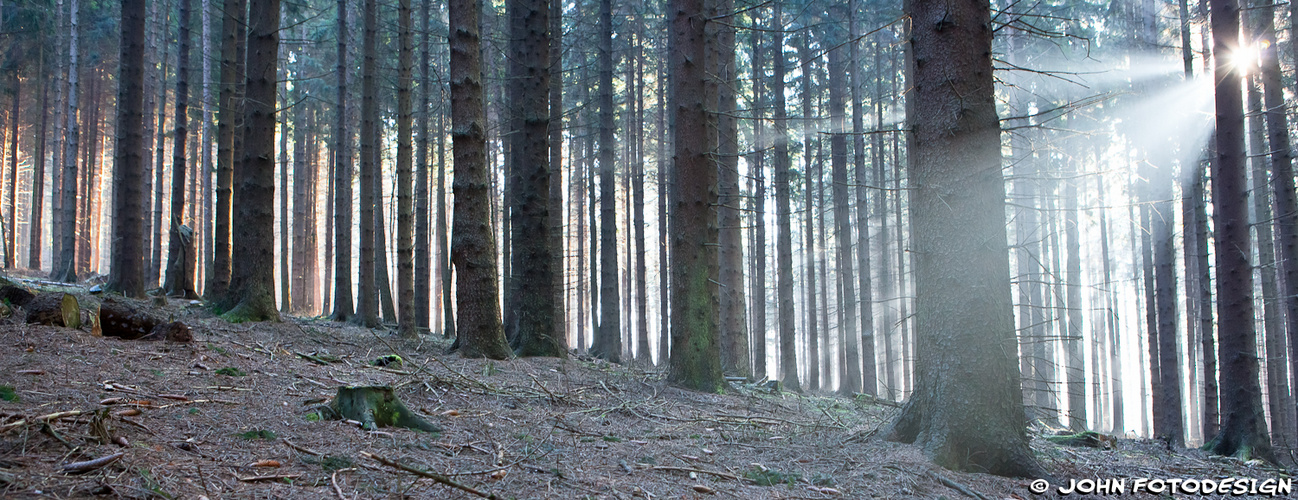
(54, 308)
(375, 406)
(118, 319)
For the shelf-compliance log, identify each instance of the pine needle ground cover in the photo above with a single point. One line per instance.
(535, 428)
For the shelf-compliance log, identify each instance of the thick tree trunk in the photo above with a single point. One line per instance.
(530, 226)
(963, 312)
(695, 348)
(473, 249)
(252, 283)
(1243, 426)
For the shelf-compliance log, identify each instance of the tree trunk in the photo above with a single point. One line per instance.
(1243, 428)
(231, 107)
(443, 249)
(810, 183)
(963, 312)
(784, 236)
(1272, 327)
(530, 227)
(850, 383)
(382, 276)
(644, 354)
(180, 257)
(285, 227)
(473, 249)
(37, 204)
(608, 338)
(407, 325)
(65, 265)
(734, 331)
(695, 349)
(156, 228)
(11, 238)
(423, 257)
(342, 180)
(1074, 345)
(252, 283)
(1286, 200)
(664, 189)
(757, 279)
(869, 371)
(555, 202)
(367, 308)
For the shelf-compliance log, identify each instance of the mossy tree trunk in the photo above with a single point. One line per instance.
(695, 348)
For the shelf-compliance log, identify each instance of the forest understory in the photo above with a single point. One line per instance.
(232, 414)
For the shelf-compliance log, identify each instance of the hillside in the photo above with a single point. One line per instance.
(194, 419)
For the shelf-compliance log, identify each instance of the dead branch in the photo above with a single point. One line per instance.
(89, 465)
(430, 475)
(724, 475)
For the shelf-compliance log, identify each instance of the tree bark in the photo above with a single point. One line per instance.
(65, 266)
(367, 307)
(695, 349)
(1243, 427)
(734, 331)
(252, 281)
(180, 257)
(473, 246)
(608, 338)
(784, 234)
(423, 257)
(407, 325)
(963, 310)
(530, 227)
(127, 275)
(230, 108)
(757, 162)
(869, 370)
(342, 200)
(850, 380)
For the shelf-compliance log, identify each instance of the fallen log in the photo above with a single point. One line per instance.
(119, 319)
(54, 308)
(15, 295)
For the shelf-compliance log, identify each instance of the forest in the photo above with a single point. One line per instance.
(995, 219)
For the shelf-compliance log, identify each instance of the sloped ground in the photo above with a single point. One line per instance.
(192, 419)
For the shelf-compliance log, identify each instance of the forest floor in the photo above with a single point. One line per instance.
(231, 415)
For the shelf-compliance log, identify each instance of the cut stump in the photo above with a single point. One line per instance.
(375, 406)
(54, 308)
(118, 319)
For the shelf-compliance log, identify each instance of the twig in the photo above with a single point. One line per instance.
(302, 449)
(89, 465)
(48, 429)
(430, 475)
(542, 386)
(253, 479)
(43, 418)
(700, 471)
(959, 487)
(334, 480)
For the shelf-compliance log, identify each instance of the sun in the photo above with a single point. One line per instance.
(1246, 59)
